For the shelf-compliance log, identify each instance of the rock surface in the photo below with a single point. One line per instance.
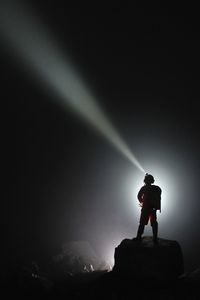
(146, 260)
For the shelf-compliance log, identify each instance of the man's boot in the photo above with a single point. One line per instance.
(155, 232)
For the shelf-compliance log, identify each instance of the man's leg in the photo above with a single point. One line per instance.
(144, 217)
(155, 231)
(140, 232)
(143, 221)
(154, 225)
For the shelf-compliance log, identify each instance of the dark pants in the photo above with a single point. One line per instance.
(146, 215)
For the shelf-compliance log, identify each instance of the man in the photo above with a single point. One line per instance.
(149, 197)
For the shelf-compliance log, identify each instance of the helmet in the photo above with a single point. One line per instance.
(148, 179)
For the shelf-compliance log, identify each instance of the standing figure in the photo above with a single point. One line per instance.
(149, 197)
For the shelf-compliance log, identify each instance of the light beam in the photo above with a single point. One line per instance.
(29, 39)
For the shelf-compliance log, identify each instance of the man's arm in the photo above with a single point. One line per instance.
(140, 195)
(159, 195)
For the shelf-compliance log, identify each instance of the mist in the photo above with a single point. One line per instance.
(64, 182)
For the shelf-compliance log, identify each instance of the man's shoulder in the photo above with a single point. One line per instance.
(156, 188)
(143, 188)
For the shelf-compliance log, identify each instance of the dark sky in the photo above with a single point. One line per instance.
(62, 179)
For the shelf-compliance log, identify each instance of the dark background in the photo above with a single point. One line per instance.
(62, 181)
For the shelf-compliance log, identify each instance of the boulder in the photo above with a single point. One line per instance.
(194, 275)
(146, 260)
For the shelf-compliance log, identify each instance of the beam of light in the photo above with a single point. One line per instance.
(37, 49)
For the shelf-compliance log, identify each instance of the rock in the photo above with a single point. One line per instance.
(146, 260)
(76, 257)
(194, 275)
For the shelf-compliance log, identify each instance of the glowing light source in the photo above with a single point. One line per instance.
(167, 182)
(37, 49)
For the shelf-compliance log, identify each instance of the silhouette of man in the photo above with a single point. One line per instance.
(149, 197)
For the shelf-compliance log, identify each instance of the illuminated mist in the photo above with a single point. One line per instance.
(37, 49)
(67, 191)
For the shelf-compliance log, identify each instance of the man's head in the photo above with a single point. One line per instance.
(148, 179)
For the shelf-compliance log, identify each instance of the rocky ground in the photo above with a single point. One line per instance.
(102, 285)
(122, 282)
